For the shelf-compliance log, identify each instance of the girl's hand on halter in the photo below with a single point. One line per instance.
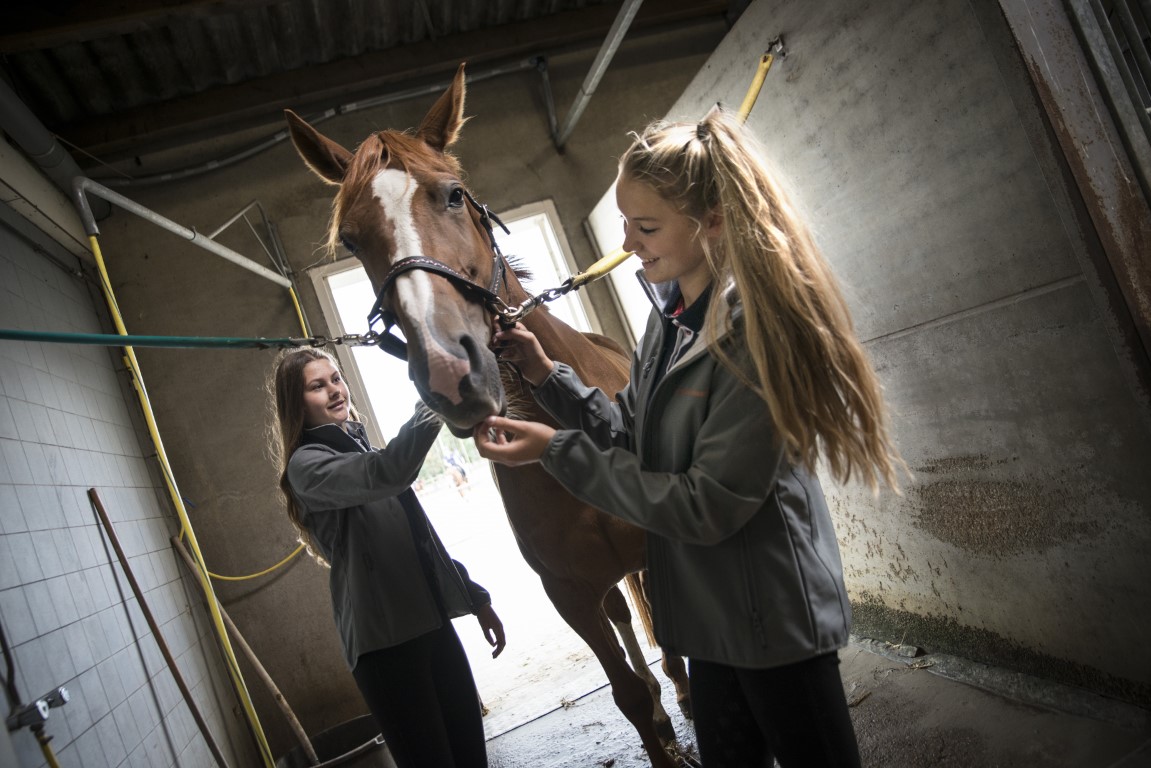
(519, 346)
(511, 442)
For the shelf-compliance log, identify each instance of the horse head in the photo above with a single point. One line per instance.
(401, 201)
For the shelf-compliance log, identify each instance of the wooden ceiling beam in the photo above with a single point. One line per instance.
(261, 101)
(36, 26)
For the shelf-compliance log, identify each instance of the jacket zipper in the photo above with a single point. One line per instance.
(752, 595)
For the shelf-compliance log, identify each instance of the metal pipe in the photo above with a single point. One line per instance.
(1082, 13)
(236, 217)
(82, 185)
(280, 136)
(1135, 44)
(614, 37)
(39, 144)
(94, 497)
(297, 729)
(549, 100)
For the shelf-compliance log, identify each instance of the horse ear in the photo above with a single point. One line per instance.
(326, 158)
(441, 126)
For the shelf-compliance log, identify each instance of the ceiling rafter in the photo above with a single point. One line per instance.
(260, 101)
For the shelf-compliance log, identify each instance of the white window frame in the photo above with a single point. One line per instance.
(351, 370)
(563, 261)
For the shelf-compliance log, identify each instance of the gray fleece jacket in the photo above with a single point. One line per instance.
(744, 567)
(391, 579)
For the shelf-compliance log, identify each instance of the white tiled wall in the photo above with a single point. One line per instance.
(67, 610)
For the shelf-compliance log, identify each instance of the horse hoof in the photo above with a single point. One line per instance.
(685, 707)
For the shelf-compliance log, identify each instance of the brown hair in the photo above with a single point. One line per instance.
(287, 390)
(808, 366)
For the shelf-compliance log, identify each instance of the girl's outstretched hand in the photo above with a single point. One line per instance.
(511, 442)
(493, 629)
(519, 346)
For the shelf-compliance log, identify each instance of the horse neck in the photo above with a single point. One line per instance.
(596, 364)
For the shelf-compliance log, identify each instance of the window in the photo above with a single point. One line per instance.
(538, 243)
(606, 232)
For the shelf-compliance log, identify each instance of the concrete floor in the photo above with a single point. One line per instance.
(549, 706)
(936, 711)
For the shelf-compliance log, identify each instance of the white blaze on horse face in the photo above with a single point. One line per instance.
(415, 298)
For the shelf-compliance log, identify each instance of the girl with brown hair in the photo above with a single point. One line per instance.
(394, 587)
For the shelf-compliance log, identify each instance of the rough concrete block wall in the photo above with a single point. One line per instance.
(1018, 539)
(66, 608)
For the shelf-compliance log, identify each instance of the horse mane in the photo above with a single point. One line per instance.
(519, 268)
(379, 151)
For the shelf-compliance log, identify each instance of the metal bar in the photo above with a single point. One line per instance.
(144, 609)
(171, 342)
(614, 37)
(261, 672)
(1138, 51)
(233, 220)
(82, 186)
(1116, 80)
(549, 100)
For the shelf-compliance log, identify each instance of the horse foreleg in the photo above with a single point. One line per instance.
(581, 607)
(620, 616)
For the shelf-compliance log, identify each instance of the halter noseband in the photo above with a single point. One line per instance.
(391, 343)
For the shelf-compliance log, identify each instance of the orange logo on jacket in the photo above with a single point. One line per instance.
(691, 392)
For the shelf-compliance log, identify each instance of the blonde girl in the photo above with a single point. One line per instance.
(748, 373)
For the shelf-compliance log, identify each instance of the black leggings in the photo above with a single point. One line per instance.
(745, 718)
(424, 699)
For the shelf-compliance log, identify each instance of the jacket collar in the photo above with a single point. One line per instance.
(355, 440)
(661, 294)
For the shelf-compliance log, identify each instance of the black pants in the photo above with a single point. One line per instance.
(745, 718)
(424, 699)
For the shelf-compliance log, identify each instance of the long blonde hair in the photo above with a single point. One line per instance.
(287, 390)
(810, 369)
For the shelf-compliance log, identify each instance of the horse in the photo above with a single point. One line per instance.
(428, 250)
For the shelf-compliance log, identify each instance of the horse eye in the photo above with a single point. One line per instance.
(456, 197)
(348, 244)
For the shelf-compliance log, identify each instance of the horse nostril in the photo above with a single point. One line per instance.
(475, 352)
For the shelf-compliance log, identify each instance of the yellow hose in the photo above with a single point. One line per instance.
(185, 523)
(46, 749)
(601, 267)
(299, 311)
(756, 84)
(264, 572)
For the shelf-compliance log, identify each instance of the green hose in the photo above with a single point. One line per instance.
(116, 340)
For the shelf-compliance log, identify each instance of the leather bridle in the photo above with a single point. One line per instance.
(394, 345)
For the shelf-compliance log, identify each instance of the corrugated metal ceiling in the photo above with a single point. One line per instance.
(109, 75)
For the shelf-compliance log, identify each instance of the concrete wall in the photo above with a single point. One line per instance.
(69, 422)
(909, 137)
(211, 405)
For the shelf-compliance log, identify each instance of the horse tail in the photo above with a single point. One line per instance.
(635, 587)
